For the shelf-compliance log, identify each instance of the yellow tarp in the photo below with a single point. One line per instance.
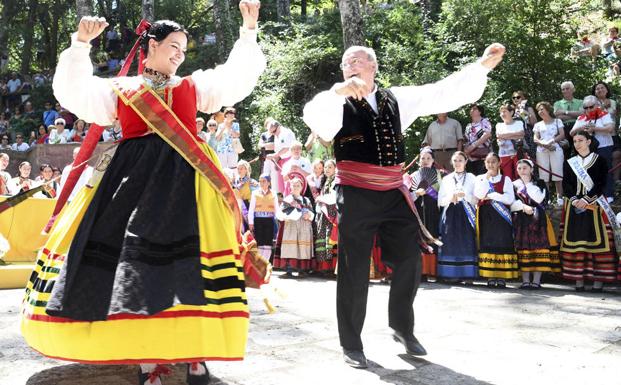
(22, 226)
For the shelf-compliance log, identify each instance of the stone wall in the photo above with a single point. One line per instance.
(58, 155)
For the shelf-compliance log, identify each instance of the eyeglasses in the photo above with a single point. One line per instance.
(211, 125)
(516, 97)
(19, 137)
(353, 62)
(60, 124)
(588, 107)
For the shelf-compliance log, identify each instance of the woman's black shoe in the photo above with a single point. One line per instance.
(580, 288)
(597, 290)
(192, 379)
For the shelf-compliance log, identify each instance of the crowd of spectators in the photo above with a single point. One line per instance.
(541, 132)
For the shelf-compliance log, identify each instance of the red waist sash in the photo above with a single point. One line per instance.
(379, 178)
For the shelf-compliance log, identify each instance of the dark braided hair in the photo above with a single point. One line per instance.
(159, 31)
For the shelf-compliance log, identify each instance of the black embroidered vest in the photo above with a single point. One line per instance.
(371, 137)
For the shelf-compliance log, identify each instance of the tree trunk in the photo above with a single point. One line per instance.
(83, 8)
(303, 9)
(28, 37)
(283, 10)
(8, 13)
(224, 29)
(351, 22)
(57, 12)
(148, 10)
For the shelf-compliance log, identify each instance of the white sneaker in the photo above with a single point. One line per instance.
(610, 199)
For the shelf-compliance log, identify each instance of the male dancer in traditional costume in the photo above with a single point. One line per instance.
(367, 125)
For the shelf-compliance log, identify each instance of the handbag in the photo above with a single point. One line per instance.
(237, 146)
(479, 152)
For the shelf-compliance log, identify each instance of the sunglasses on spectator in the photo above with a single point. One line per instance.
(211, 125)
(60, 124)
(588, 107)
(517, 97)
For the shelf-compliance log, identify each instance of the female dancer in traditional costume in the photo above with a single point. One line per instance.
(143, 266)
(497, 258)
(457, 258)
(535, 242)
(425, 185)
(587, 239)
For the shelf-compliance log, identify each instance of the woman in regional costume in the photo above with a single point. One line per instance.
(535, 242)
(262, 216)
(587, 240)
(497, 258)
(325, 219)
(425, 185)
(457, 258)
(296, 249)
(143, 266)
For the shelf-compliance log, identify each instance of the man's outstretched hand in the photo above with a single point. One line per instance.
(493, 55)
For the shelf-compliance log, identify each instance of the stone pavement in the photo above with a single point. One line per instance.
(474, 335)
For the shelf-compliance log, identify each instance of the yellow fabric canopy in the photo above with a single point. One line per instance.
(22, 226)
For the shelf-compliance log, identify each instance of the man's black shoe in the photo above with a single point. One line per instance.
(355, 358)
(412, 346)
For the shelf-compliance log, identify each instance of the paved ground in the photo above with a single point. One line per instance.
(474, 336)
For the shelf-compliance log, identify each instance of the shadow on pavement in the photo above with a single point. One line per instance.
(79, 374)
(423, 372)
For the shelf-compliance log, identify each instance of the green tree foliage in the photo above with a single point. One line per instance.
(417, 42)
(538, 35)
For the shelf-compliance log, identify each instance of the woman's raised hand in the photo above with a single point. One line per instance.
(90, 27)
(250, 12)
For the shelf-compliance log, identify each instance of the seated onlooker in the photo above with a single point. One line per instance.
(66, 115)
(112, 133)
(4, 123)
(78, 132)
(585, 47)
(5, 143)
(42, 134)
(16, 123)
(49, 115)
(5, 177)
(19, 144)
(22, 181)
(84, 178)
(46, 176)
(58, 134)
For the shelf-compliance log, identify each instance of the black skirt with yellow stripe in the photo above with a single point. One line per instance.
(144, 267)
(497, 257)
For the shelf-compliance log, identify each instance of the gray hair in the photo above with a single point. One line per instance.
(359, 48)
(568, 83)
(591, 100)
